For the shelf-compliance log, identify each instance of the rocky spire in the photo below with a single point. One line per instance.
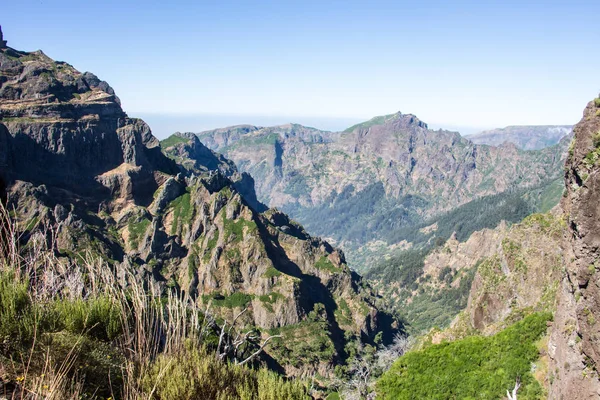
(2, 41)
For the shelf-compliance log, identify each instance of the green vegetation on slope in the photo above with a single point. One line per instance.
(182, 212)
(359, 217)
(485, 212)
(324, 264)
(137, 229)
(472, 368)
(172, 141)
(437, 307)
(367, 124)
(307, 342)
(429, 307)
(194, 374)
(404, 268)
(422, 306)
(234, 300)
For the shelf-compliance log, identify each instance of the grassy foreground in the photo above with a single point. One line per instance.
(87, 331)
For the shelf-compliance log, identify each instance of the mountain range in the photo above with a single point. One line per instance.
(370, 188)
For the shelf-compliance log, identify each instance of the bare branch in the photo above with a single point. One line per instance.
(225, 337)
(257, 352)
(221, 336)
(513, 396)
(239, 315)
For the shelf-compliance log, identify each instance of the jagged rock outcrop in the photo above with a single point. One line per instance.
(194, 158)
(70, 132)
(518, 270)
(575, 340)
(72, 160)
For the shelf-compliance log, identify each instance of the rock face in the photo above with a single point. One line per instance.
(193, 157)
(377, 177)
(518, 271)
(72, 160)
(69, 131)
(528, 137)
(576, 340)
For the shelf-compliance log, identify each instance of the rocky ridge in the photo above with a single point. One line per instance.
(518, 271)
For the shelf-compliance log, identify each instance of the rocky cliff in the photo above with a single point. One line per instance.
(74, 164)
(574, 342)
(367, 183)
(517, 271)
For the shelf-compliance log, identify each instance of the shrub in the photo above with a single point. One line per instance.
(596, 139)
(474, 367)
(235, 300)
(172, 141)
(182, 212)
(100, 317)
(271, 272)
(324, 264)
(194, 373)
(137, 231)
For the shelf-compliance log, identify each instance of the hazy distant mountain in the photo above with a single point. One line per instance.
(526, 137)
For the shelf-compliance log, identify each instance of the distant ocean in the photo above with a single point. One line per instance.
(164, 125)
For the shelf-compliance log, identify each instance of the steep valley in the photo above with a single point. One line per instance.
(479, 266)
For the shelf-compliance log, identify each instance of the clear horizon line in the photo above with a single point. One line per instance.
(330, 117)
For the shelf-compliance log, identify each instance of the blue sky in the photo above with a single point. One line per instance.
(456, 64)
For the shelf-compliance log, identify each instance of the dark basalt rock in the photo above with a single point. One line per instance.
(168, 192)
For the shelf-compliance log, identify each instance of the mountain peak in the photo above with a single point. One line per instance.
(406, 119)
